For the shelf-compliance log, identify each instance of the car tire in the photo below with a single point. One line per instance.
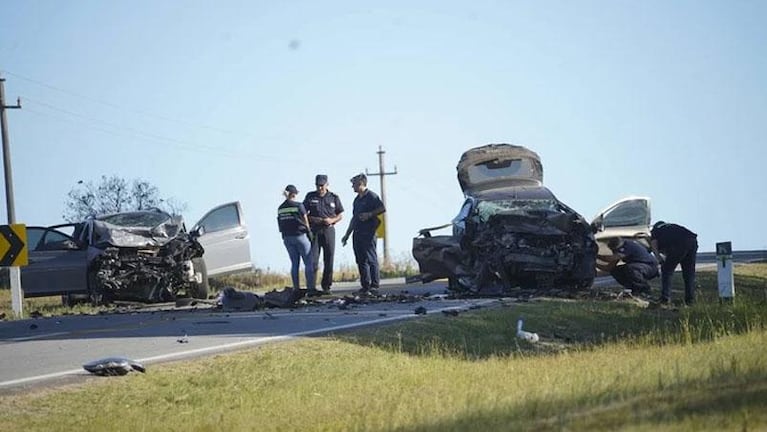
(199, 290)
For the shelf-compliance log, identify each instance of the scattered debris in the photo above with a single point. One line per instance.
(35, 314)
(267, 315)
(113, 366)
(183, 339)
(232, 300)
(286, 298)
(420, 310)
(528, 336)
(33, 326)
(451, 312)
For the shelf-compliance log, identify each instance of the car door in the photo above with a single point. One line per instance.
(628, 218)
(225, 239)
(58, 264)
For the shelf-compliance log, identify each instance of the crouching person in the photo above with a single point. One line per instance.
(631, 264)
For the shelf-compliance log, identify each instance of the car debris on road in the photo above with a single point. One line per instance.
(113, 366)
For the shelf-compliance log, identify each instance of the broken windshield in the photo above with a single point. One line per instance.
(137, 219)
(486, 209)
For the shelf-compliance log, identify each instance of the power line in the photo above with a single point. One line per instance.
(125, 132)
(121, 108)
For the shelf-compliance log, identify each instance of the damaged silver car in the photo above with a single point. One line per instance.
(145, 255)
(511, 230)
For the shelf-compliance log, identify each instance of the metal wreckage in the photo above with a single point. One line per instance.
(510, 232)
(145, 256)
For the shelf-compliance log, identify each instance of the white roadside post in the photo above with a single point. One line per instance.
(724, 273)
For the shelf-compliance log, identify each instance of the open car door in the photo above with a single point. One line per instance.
(628, 218)
(225, 239)
(58, 264)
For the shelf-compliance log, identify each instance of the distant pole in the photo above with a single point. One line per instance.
(13, 272)
(381, 175)
(7, 153)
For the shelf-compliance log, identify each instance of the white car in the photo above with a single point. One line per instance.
(145, 255)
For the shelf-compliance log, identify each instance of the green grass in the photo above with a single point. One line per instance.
(600, 365)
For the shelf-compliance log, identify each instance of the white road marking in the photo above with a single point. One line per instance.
(40, 336)
(234, 345)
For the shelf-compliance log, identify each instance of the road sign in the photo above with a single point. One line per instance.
(13, 245)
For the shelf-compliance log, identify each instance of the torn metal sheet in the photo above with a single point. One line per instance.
(113, 366)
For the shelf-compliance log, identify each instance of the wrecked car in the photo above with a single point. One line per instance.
(513, 232)
(145, 255)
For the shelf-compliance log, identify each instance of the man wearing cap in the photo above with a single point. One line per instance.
(324, 208)
(367, 207)
(631, 264)
(678, 245)
(294, 226)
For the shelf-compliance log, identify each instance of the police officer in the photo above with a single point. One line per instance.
(367, 207)
(325, 210)
(638, 267)
(678, 245)
(294, 227)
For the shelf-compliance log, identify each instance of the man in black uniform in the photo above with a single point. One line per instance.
(678, 246)
(639, 266)
(367, 207)
(325, 210)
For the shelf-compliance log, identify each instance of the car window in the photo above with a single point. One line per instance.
(33, 237)
(48, 239)
(629, 213)
(220, 219)
(495, 169)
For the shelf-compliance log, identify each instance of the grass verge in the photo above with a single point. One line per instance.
(599, 366)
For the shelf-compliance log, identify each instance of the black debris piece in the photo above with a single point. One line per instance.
(233, 300)
(450, 312)
(420, 310)
(33, 326)
(286, 298)
(113, 366)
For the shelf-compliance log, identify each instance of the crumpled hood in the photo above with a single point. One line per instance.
(122, 236)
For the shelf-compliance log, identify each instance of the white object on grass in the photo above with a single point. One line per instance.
(528, 336)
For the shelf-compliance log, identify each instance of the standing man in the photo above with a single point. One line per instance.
(639, 266)
(367, 207)
(294, 227)
(325, 210)
(678, 246)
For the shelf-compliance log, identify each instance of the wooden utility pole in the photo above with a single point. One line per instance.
(381, 175)
(13, 272)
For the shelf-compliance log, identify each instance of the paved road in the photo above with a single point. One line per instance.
(38, 351)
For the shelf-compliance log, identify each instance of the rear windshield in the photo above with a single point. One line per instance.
(501, 169)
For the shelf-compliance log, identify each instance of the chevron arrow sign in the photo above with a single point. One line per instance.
(13, 245)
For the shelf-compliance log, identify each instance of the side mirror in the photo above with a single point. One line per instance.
(197, 231)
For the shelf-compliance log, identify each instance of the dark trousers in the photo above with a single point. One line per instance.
(635, 276)
(686, 257)
(364, 244)
(325, 239)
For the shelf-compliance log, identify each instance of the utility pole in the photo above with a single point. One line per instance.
(13, 272)
(381, 174)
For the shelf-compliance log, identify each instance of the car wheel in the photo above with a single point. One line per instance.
(199, 290)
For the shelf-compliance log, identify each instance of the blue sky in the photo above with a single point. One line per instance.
(232, 100)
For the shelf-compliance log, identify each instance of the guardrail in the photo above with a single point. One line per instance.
(737, 256)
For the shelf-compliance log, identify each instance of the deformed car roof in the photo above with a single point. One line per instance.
(496, 166)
